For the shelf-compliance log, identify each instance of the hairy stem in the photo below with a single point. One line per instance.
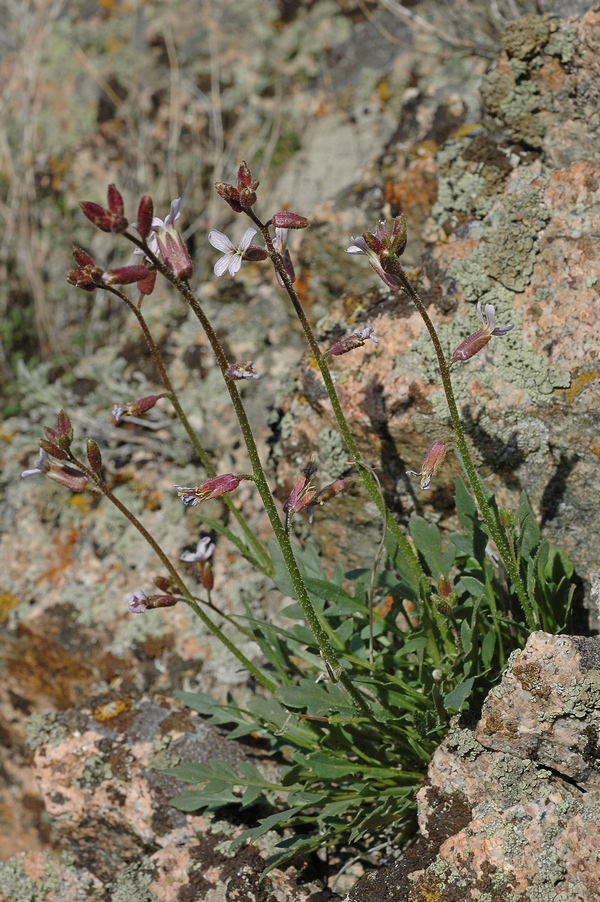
(331, 659)
(263, 558)
(176, 578)
(494, 528)
(365, 476)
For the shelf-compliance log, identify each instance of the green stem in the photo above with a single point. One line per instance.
(367, 480)
(200, 451)
(494, 528)
(328, 653)
(176, 578)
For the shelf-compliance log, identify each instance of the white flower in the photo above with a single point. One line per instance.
(42, 465)
(232, 256)
(203, 552)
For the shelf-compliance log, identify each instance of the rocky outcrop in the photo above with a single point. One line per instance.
(510, 809)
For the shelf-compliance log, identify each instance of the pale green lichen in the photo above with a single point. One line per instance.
(561, 45)
(96, 771)
(333, 455)
(132, 885)
(44, 729)
(463, 744)
(581, 697)
(16, 885)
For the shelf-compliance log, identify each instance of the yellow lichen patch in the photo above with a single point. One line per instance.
(6, 436)
(580, 383)
(7, 603)
(80, 502)
(466, 129)
(109, 710)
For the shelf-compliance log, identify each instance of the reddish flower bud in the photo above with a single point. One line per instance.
(82, 259)
(53, 450)
(97, 215)
(256, 254)
(288, 220)
(93, 455)
(89, 276)
(115, 201)
(212, 488)
(146, 285)
(244, 176)
(230, 195)
(205, 572)
(63, 424)
(246, 186)
(106, 220)
(144, 216)
(125, 275)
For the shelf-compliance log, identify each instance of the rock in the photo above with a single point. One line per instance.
(512, 221)
(510, 809)
(97, 775)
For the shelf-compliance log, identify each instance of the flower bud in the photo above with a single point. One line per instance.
(53, 450)
(94, 455)
(255, 254)
(289, 220)
(115, 201)
(230, 195)
(125, 275)
(145, 213)
(246, 186)
(111, 220)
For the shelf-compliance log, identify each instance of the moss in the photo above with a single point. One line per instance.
(42, 729)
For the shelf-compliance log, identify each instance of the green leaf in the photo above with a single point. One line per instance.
(428, 541)
(407, 578)
(281, 576)
(455, 699)
(197, 799)
(487, 648)
(469, 520)
(465, 638)
(279, 819)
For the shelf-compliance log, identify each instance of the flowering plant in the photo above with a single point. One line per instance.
(360, 687)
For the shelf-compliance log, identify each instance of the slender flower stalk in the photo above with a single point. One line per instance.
(397, 279)
(364, 474)
(176, 580)
(328, 653)
(261, 556)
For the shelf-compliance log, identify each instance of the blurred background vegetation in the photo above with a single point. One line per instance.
(165, 97)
